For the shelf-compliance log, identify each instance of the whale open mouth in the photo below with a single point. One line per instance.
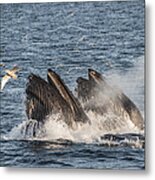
(52, 97)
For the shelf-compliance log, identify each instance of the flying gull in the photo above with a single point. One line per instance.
(10, 73)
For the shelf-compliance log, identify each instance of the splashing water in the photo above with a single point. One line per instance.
(55, 129)
(131, 82)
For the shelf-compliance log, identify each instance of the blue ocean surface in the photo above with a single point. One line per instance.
(70, 38)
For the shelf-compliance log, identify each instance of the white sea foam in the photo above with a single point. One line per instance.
(54, 128)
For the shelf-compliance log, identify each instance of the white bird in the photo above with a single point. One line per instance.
(10, 73)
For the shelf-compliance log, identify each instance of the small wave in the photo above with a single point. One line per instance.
(126, 140)
(56, 130)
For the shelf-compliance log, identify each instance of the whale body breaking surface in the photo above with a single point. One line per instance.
(110, 107)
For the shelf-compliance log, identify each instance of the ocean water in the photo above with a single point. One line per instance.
(70, 38)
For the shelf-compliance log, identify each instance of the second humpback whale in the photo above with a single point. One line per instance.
(97, 95)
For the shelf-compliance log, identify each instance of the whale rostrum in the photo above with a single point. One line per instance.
(75, 106)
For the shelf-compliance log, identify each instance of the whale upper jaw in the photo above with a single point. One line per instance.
(95, 76)
(97, 80)
(76, 108)
(55, 80)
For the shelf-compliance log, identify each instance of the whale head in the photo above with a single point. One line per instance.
(95, 76)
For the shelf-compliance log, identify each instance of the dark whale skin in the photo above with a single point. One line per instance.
(111, 100)
(45, 98)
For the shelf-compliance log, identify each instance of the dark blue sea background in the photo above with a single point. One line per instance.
(70, 38)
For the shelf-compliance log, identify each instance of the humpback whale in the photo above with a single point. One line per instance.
(46, 98)
(53, 97)
(97, 95)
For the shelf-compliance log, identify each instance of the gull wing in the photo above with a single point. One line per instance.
(12, 72)
(4, 80)
(15, 69)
